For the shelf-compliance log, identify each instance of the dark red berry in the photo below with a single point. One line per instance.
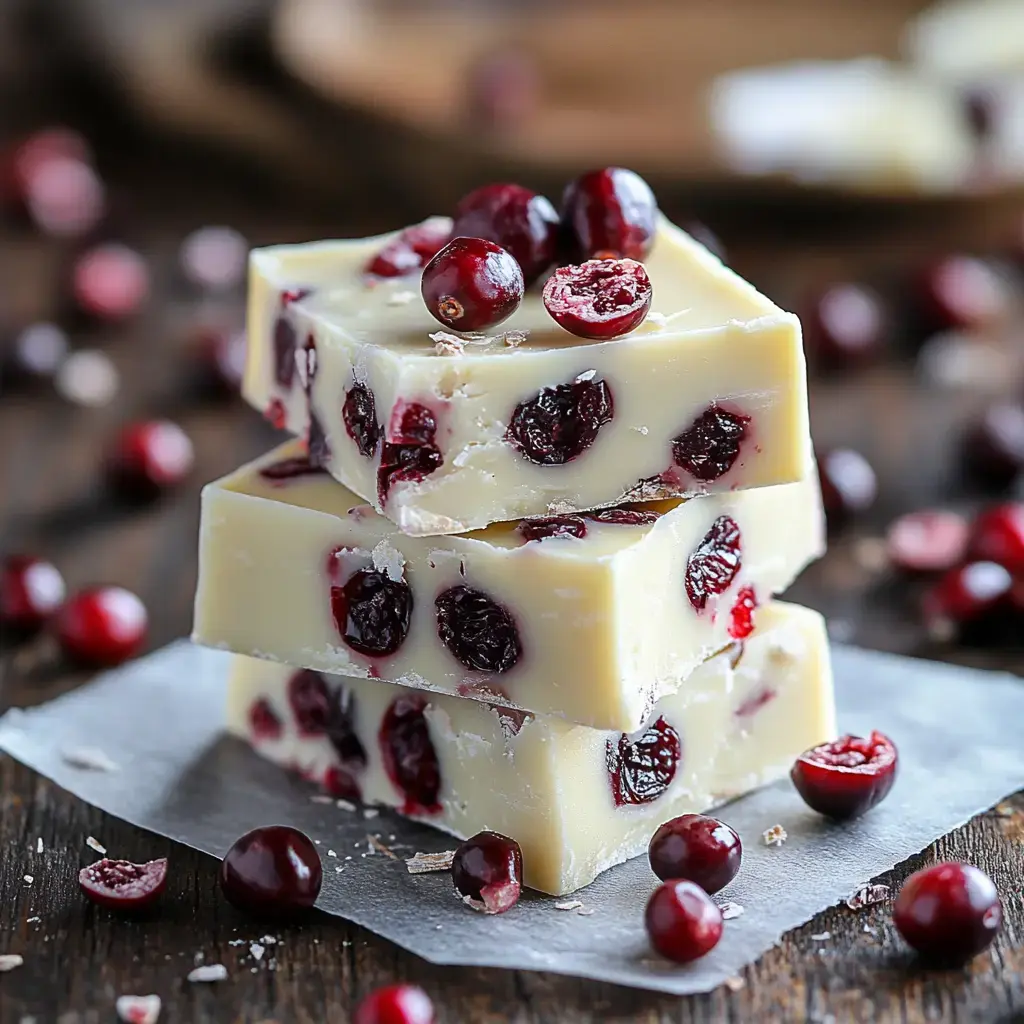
(543, 527)
(847, 777)
(477, 630)
(31, 590)
(396, 1004)
(993, 447)
(845, 327)
(110, 282)
(714, 563)
(411, 453)
(412, 248)
(102, 626)
(642, 766)
(997, 535)
(961, 292)
(263, 721)
(286, 338)
(599, 299)
(341, 784)
(122, 885)
(372, 612)
(515, 218)
(290, 468)
(308, 699)
(150, 458)
(410, 759)
(969, 593)
(625, 516)
(36, 354)
(488, 871)
(696, 847)
(709, 447)
(927, 541)
(472, 284)
(341, 729)
(272, 871)
(560, 423)
(848, 484)
(359, 412)
(609, 211)
(741, 617)
(682, 922)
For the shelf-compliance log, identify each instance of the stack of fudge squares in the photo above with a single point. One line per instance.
(517, 578)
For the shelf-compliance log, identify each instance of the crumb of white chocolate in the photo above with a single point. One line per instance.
(569, 905)
(446, 344)
(402, 298)
(256, 950)
(39, 845)
(138, 1009)
(586, 375)
(657, 319)
(642, 430)
(774, 836)
(208, 972)
(29, 879)
(513, 339)
(89, 758)
(821, 937)
(423, 863)
(731, 910)
(388, 560)
(321, 798)
(585, 911)
(345, 805)
(867, 895)
(371, 812)
(95, 844)
(734, 984)
(8, 961)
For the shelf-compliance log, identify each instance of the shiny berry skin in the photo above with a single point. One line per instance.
(642, 766)
(599, 299)
(997, 535)
(714, 563)
(696, 847)
(409, 757)
(396, 1004)
(411, 453)
(949, 912)
(927, 541)
(710, 446)
(359, 413)
(961, 292)
(472, 284)
(31, 590)
(845, 327)
(682, 922)
(993, 448)
(477, 630)
(411, 248)
(543, 527)
(847, 777)
(610, 211)
(515, 218)
(848, 484)
(969, 593)
(110, 282)
(122, 885)
(102, 626)
(488, 870)
(271, 872)
(372, 612)
(559, 424)
(151, 457)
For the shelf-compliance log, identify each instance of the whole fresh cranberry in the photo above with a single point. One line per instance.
(31, 590)
(396, 1004)
(682, 921)
(993, 447)
(110, 282)
(151, 457)
(997, 535)
(965, 595)
(961, 292)
(412, 248)
(472, 284)
(272, 871)
(610, 211)
(372, 612)
(696, 847)
(487, 870)
(599, 299)
(642, 766)
(478, 631)
(710, 446)
(560, 423)
(515, 218)
(848, 484)
(102, 626)
(927, 541)
(845, 327)
(948, 912)
(409, 756)
(846, 777)
(122, 885)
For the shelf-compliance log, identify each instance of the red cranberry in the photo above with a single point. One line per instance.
(515, 218)
(372, 612)
(272, 871)
(543, 527)
(962, 292)
(696, 847)
(41, 148)
(641, 767)
(410, 759)
(396, 1004)
(682, 921)
(411, 454)
(263, 721)
(709, 447)
(472, 284)
(31, 590)
(151, 457)
(847, 777)
(994, 445)
(948, 912)
(848, 484)
(997, 535)
(36, 353)
(600, 299)
(102, 626)
(741, 618)
(286, 338)
(845, 327)
(714, 563)
(477, 630)
(308, 699)
(965, 594)
(341, 784)
(359, 412)
(412, 248)
(122, 885)
(927, 541)
(341, 729)
(560, 423)
(110, 282)
(288, 469)
(609, 211)
(488, 869)
(625, 516)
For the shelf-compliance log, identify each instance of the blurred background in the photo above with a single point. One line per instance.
(862, 162)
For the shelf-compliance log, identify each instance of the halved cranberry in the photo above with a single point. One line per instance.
(110, 282)
(641, 767)
(558, 424)
(31, 590)
(341, 729)
(149, 458)
(542, 527)
(263, 721)
(927, 541)
(412, 248)
(309, 701)
(993, 447)
(997, 535)
(515, 218)
(372, 612)
(961, 292)
(845, 327)
(847, 777)
(286, 340)
(272, 871)
(969, 593)
(741, 617)
(714, 563)
(848, 484)
(488, 869)
(396, 1004)
(411, 453)
(599, 299)
(609, 211)
(102, 626)
(709, 447)
(472, 284)
(476, 629)
(290, 468)
(359, 412)
(618, 516)
(682, 921)
(948, 912)
(410, 759)
(694, 846)
(122, 885)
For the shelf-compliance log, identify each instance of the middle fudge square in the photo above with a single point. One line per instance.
(591, 616)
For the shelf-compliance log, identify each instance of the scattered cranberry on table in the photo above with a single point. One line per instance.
(997, 535)
(599, 299)
(150, 457)
(110, 282)
(848, 484)
(696, 847)
(993, 446)
(961, 292)
(965, 595)
(395, 1004)
(948, 912)
(846, 777)
(930, 540)
(102, 626)
(609, 212)
(682, 921)
(31, 591)
(845, 326)
(122, 885)
(487, 870)
(272, 871)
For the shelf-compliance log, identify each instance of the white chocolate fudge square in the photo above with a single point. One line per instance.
(595, 622)
(577, 800)
(446, 434)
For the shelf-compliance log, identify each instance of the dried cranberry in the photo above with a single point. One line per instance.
(696, 847)
(609, 211)
(341, 730)
(372, 612)
(150, 457)
(263, 721)
(341, 784)
(846, 326)
(412, 248)
(286, 339)
(641, 767)
(396, 1004)
(272, 872)
(307, 696)
(847, 777)
(110, 282)
(961, 292)
(848, 484)
(122, 885)
(709, 447)
(560, 423)
(599, 299)
(966, 594)
(359, 412)
(715, 563)
(288, 469)
(488, 870)
(993, 447)
(477, 630)
(997, 535)
(102, 626)
(410, 453)
(948, 912)
(543, 527)
(682, 921)
(31, 590)
(625, 516)
(927, 541)
(741, 617)
(410, 759)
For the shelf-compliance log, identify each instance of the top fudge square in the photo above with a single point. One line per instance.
(445, 433)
